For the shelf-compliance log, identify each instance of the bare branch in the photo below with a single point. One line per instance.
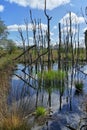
(24, 52)
(46, 12)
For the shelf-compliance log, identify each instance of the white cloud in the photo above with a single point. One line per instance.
(55, 27)
(51, 4)
(73, 30)
(71, 4)
(74, 18)
(81, 19)
(1, 8)
(84, 29)
(15, 27)
(44, 26)
(23, 27)
(51, 33)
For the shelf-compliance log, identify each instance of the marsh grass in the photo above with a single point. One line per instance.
(13, 122)
(4, 83)
(10, 118)
(79, 85)
(40, 111)
(52, 80)
(52, 75)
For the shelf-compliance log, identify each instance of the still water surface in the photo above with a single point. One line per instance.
(63, 99)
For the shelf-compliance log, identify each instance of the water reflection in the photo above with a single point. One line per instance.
(60, 95)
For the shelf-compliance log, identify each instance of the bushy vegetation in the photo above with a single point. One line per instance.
(52, 75)
(79, 85)
(40, 111)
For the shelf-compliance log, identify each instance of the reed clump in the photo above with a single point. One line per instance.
(79, 85)
(13, 122)
(40, 111)
(52, 75)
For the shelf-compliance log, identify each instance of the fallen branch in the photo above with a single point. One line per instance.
(38, 57)
(24, 52)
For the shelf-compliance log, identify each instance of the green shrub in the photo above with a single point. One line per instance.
(40, 111)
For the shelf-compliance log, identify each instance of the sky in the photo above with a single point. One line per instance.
(15, 12)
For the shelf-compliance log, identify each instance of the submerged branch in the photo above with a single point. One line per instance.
(25, 81)
(81, 71)
(27, 74)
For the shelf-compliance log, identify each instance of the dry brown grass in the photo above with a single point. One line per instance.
(13, 122)
(11, 118)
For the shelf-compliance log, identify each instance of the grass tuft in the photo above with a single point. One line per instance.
(13, 122)
(52, 75)
(79, 85)
(40, 111)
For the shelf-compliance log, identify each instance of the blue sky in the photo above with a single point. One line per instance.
(13, 12)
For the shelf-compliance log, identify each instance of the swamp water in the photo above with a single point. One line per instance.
(64, 102)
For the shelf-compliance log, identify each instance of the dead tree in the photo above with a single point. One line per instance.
(85, 18)
(78, 51)
(33, 22)
(23, 41)
(86, 43)
(27, 32)
(48, 36)
(67, 41)
(42, 44)
(71, 36)
(59, 48)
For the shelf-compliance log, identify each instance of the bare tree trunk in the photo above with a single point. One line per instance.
(71, 35)
(48, 36)
(34, 37)
(67, 42)
(86, 43)
(27, 39)
(23, 41)
(78, 47)
(59, 48)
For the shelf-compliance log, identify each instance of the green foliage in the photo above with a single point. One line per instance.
(8, 45)
(3, 30)
(5, 44)
(79, 85)
(8, 58)
(11, 47)
(40, 111)
(52, 75)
